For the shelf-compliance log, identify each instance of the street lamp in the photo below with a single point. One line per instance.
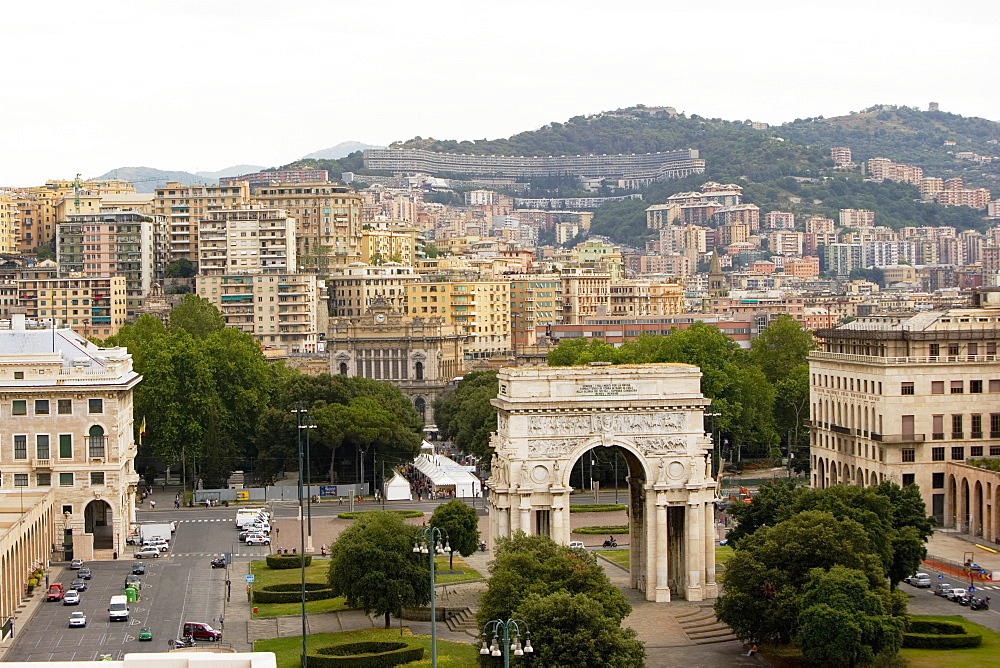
(497, 648)
(307, 425)
(433, 543)
(299, 410)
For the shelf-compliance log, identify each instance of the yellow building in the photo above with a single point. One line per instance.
(481, 308)
(645, 298)
(185, 206)
(91, 307)
(600, 255)
(328, 232)
(356, 288)
(585, 291)
(10, 216)
(534, 301)
(390, 241)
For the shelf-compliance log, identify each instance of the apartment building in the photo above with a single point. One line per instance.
(36, 216)
(284, 311)
(900, 397)
(841, 155)
(249, 239)
(534, 302)
(881, 169)
(840, 259)
(642, 298)
(91, 307)
(390, 242)
(480, 307)
(779, 220)
(68, 408)
(328, 227)
(356, 288)
(114, 243)
(184, 207)
(10, 219)
(260, 179)
(785, 242)
(857, 218)
(816, 224)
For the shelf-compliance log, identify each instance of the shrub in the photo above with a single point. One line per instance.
(358, 513)
(279, 561)
(364, 655)
(596, 507)
(292, 592)
(601, 530)
(924, 634)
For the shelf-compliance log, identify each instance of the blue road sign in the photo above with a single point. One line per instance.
(972, 589)
(940, 577)
(249, 577)
(328, 490)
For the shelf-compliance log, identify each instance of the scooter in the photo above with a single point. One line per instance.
(966, 600)
(186, 641)
(482, 546)
(611, 542)
(219, 562)
(981, 604)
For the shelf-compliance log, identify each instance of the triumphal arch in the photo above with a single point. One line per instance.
(549, 417)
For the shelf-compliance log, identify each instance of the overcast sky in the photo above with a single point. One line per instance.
(204, 84)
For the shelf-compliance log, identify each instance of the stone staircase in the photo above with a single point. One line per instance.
(462, 621)
(702, 627)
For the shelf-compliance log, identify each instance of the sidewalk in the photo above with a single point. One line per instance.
(27, 608)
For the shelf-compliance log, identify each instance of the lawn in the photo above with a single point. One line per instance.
(986, 654)
(315, 572)
(288, 650)
(441, 565)
(620, 557)
(596, 507)
(722, 555)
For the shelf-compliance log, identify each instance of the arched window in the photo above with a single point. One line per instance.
(343, 368)
(418, 369)
(96, 441)
(420, 404)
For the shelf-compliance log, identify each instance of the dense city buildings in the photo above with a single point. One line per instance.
(91, 307)
(259, 179)
(247, 240)
(184, 207)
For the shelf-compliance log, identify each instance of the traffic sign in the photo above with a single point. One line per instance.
(940, 577)
(249, 577)
(972, 589)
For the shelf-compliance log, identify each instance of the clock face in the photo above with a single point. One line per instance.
(380, 317)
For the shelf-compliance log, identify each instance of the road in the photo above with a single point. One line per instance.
(923, 602)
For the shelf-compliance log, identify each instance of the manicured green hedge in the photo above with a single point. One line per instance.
(601, 530)
(364, 655)
(939, 635)
(596, 507)
(278, 561)
(291, 592)
(358, 513)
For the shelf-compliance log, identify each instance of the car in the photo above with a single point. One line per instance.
(148, 553)
(78, 584)
(942, 588)
(258, 540)
(158, 543)
(576, 545)
(84, 573)
(921, 580)
(138, 568)
(71, 597)
(253, 534)
(77, 619)
(133, 581)
(201, 631)
(219, 562)
(957, 593)
(55, 592)
(145, 633)
(76, 564)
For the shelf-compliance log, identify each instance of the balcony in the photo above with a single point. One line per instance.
(45, 463)
(840, 430)
(899, 438)
(924, 359)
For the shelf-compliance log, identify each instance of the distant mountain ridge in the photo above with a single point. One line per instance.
(341, 150)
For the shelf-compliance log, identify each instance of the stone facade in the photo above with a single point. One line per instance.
(550, 417)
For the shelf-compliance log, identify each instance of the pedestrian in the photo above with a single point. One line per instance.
(222, 622)
(340, 500)
(276, 531)
(177, 504)
(152, 504)
(752, 650)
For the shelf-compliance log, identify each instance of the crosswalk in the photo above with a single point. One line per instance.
(230, 520)
(216, 554)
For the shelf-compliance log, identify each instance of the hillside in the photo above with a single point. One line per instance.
(341, 150)
(148, 179)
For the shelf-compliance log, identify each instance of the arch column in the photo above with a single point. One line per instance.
(711, 588)
(693, 528)
(662, 593)
(559, 528)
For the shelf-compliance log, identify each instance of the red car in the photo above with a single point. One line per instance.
(201, 631)
(55, 592)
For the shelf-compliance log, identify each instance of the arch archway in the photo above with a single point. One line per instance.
(420, 405)
(976, 521)
(964, 506)
(98, 520)
(548, 419)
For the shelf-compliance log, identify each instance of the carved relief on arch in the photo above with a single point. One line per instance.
(502, 422)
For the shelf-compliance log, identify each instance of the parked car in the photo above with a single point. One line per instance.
(148, 553)
(957, 594)
(138, 568)
(921, 580)
(55, 592)
(942, 588)
(77, 619)
(78, 584)
(72, 597)
(219, 562)
(576, 545)
(254, 535)
(76, 564)
(201, 631)
(158, 543)
(258, 540)
(133, 581)
(84, 573)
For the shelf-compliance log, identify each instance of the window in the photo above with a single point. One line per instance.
(937, 454)
(906, 388)
(995, 451)
(937, 480)
(65, 406)
(20, 446)
(935, 350)
(43, 479)
(956, 426)
(20, 480)
(977, 425)
(976, 451)
(958, 452)
(957, 387)
(18, 375)
(909, 455)
(97, 477)
(994, 425)
(42, 446)
(67, 509)
(938, 427)
(994, 386)
(937, 387)
(975, 387)
(41, 406)
(95, 406)
(66, 446)
(19, 407)
(65, 479)
(953, 349)
(908, 479)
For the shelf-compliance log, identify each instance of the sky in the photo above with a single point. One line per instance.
(199, 85)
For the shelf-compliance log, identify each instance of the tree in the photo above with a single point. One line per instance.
(573, 630)
(182, 268)
(781, 347)
(196, 316)
(844, 621)
(461, 523)
(372, 565)
(466, 415)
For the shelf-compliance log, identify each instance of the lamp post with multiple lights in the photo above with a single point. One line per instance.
(433, 543)
(502, 645)
(299, 423)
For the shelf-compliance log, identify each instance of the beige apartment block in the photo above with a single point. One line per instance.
(390, 241)
(91, 307)
(857, 218)
(282, 311)
(534, 302)
(34, 229)
(584, 292)
(248, 239)
(636, 298)
(357, 287)
(10, 218)
(480, 308)
(328, 221)
(69, 428)
(899, 397)
(186, 206)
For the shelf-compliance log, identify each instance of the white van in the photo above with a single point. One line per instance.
(118, 609)
(245, 516)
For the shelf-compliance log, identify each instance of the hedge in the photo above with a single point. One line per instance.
(596, 507)
(358, 513)
(939, 635)
(291, 592)
(364, 655)
(601, 530)
(278, 561)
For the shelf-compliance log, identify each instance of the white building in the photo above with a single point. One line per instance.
(247, 240)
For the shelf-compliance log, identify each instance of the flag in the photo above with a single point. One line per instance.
(142, 430)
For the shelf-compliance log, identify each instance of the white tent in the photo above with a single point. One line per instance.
(446, 475)
(398, 489)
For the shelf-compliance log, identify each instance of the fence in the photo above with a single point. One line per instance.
(279, 493)
(958, 570)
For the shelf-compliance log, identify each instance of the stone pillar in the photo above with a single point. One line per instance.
(525, 512)
(662, 594)
(504, 521)
(711, 588)
(693, 528)
(557, 528)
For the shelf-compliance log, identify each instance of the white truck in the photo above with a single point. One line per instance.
(146, 532)
(247, 516)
